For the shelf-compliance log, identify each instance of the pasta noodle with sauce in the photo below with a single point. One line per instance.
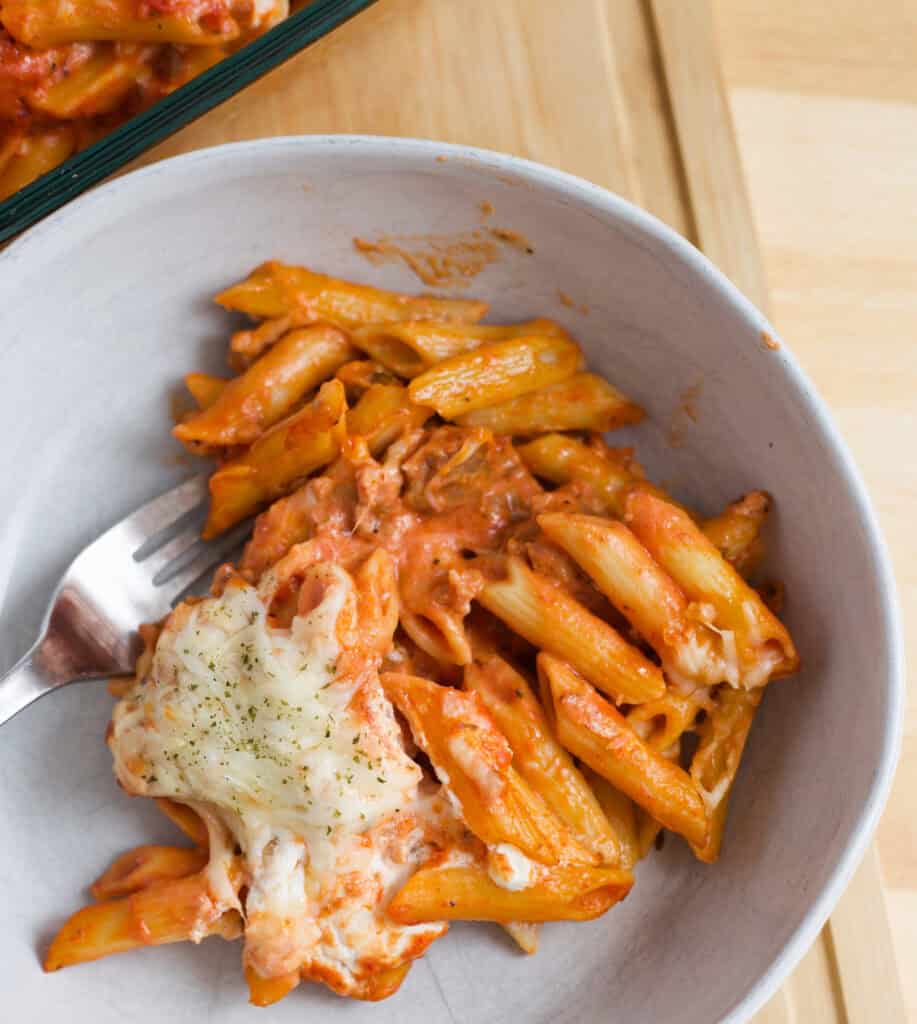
(453, 675)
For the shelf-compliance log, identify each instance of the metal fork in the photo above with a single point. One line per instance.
(131, 574)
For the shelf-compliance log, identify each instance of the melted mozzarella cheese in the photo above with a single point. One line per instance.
(509, 867)
(252, 720)
(251, 725)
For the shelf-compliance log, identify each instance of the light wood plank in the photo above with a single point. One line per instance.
(709, 154)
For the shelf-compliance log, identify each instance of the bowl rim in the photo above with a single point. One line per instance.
(560, 182)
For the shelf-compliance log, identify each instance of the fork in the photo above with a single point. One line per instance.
(133, 573)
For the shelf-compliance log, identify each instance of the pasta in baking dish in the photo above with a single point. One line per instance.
(469, 665)
(73, 70)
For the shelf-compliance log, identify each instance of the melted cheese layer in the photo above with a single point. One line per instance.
(252, 726)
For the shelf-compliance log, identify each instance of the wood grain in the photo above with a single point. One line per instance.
(824, 98)
(628, 93)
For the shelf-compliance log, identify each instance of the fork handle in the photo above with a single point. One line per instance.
(24, 683)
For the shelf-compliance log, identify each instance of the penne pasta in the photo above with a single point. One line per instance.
(474, 762)
(553, 621)
(95, 87)
(722, 737)
(382, 983)
(563, 460)
(414, 346)
(267, 991)
(538, 757)
(161, 913)
(621, 813)
(384, 412)
(205, 389)
(581, 402)
(648, 598)
(496, 372)
(763, 647)
(43, 23)
(186, 819)
(468, 893)
(525, 934)
(275, 289)
(340, 727)
(598, 734)
(277, 461)
(144, 865)
(35, 154)
(736, 531)
(270, 388)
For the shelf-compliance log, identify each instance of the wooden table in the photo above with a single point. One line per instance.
(824, 97)
(627, 93)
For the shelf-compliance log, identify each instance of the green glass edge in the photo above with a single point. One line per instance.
(201, 94)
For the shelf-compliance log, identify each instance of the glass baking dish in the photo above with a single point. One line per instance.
(198, 96)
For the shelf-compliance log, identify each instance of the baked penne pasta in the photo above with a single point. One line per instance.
(736, 531)
(762, 646)
(270, 388)
(163, 912)
(267, 991)
(563, 460)
(597, 733)
(538, 757)
(383, 413)
(468, 893)
(43, 23)
(553, 621)
(275, 289)
(621, 813)
(277, 461)
(722, 737)
(340, 727)
(205, 389)
(139, 868)
(474, 762)
(524, 933)
(496, 372)
(34, 154)
(581, 402)
(647, 597)
(410, 348)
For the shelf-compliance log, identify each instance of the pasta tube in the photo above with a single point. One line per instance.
(496, 373)
(270, 388)
(716, 761)
(276, 289)
(628, 576)
(161, 913)
(736, 531)
(595, 732)
(581, 402)
(46, 23)
(277, 461)
(267, 991)
(473, 760)
(563, 460)
(763, 647)
(138, 868)
(538, 757)
(382, 413)
(551, 620)
(412, 347)
(468, 893)
(204, 388)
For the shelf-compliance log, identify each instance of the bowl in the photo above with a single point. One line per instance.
(108, 302)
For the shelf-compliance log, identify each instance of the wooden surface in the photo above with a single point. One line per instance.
(627, 93)
(824, 100)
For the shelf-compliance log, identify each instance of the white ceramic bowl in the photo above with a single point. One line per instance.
(105, 306)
